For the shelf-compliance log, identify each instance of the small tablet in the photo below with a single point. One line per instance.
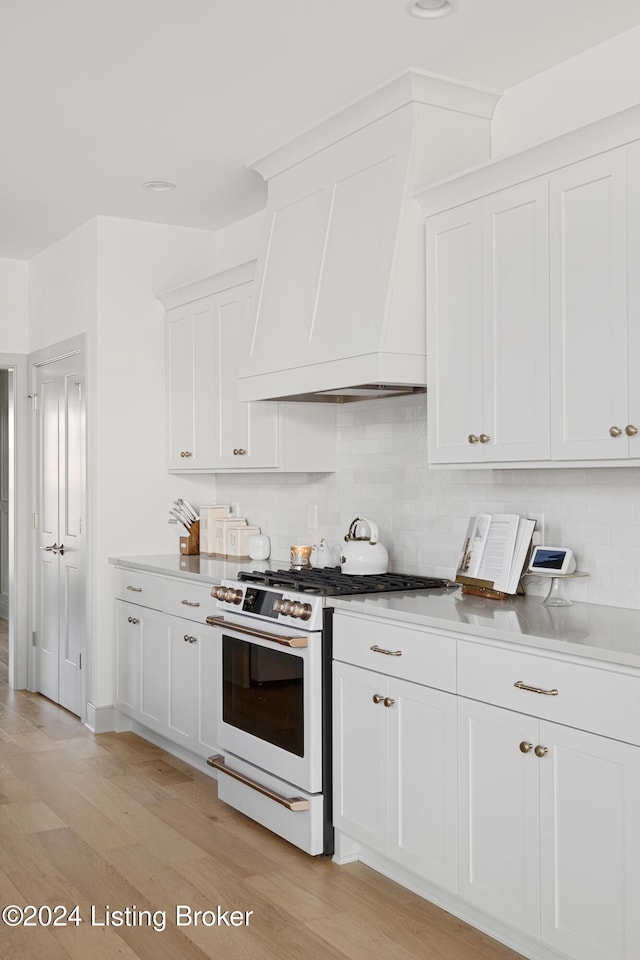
(552, 560)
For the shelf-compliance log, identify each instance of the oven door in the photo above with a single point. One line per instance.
(270, 700)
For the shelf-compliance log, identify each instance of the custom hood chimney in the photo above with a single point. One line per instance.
(339, 310)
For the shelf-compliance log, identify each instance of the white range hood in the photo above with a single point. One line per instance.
(339, 310)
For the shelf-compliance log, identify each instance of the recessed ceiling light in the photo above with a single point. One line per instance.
(159, 186)
(430, 9)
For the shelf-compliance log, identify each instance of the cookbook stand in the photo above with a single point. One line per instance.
(484, 588)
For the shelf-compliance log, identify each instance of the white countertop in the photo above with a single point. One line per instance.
(608, 634)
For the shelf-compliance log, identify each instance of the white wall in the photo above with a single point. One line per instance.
(595, 84)
(14, 332)
(241, 241)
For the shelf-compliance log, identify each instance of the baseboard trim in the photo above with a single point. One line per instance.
(100, 719)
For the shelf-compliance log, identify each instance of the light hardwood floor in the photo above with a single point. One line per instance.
(112, 820)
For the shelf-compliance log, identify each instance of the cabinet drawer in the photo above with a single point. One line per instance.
(589, 698)
(188, 599)
(139, 587)
(411, 653)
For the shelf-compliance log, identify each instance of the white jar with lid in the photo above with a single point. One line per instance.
(259, 547)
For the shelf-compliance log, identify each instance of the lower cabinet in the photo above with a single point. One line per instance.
(549, 832)
(395, 769)
(166, 675)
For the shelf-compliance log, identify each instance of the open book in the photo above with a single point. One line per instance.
(495, 550)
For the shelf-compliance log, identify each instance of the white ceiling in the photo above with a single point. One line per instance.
(98, 96)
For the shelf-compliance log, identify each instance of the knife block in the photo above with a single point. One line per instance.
(191, 545)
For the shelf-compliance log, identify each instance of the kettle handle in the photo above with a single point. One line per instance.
(373, 529)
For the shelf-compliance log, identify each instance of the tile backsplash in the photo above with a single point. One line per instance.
(422, 513)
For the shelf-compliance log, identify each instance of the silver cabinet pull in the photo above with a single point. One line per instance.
(135, 589)
(295, 804)
(388, 653)
(547, 693)
(189, 603)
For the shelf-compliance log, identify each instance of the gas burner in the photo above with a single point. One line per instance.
(331, 582)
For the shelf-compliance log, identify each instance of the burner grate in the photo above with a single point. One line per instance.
(331, 582)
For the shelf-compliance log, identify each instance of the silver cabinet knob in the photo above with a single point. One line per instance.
(484, 438)
(239, 452)
(388, 701)
(189, 639)
(186, 453)
(377, 698)
(541, 751)
(133, 620)
(630, 430)
(615, 431)
(472, 438)
(525, 747)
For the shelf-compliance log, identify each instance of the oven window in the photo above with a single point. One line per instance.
(263, 693)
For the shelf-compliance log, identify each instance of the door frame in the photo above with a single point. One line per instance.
(58, 351)
(19, 504)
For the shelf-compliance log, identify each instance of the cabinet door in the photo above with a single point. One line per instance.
(633, 332)
(208, 692)
(454, 334)
(498, 838)
(360, 755)
(590, 844)
(154, 670)
(192, 390)
(515, 266)
(128, 636)
(182, 683)
(422, 781)
(247, 432)
(588, 303)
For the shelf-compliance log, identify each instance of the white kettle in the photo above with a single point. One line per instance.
(361, 551)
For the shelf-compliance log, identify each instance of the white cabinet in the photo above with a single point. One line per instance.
(488, 329)
(209, 428)
(549, 832)
(590, 357)
(394, 745)
(141, 639)
(167, 665)
(395, 748)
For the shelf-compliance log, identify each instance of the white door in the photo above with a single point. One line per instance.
(590, 838)
(498, 837)
(422, 780)
(588, 282)
(454, 335)
(360, 755)
(60, 473)
(515, 264)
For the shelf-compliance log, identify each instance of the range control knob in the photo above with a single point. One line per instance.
(227, 594)
(284, 607)
(301, 611)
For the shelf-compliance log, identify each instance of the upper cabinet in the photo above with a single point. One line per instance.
(209, 429)
(487, 303)
(533, 302)
(340, 299)
(592, 329)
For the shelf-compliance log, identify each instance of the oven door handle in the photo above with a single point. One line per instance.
(260, 634)
(296, 804)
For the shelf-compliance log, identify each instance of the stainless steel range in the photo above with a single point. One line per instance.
(274, 694)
